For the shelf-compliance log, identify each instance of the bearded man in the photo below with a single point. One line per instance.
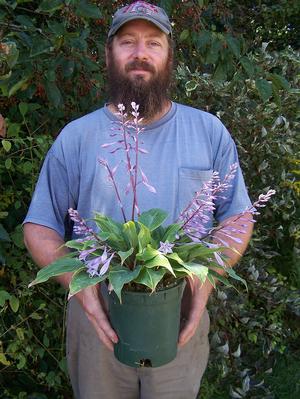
(185, 146)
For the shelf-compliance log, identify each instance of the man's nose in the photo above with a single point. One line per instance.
(140, 51)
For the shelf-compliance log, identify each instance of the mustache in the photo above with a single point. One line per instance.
(136, 64)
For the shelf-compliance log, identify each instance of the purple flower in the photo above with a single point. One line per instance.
(102, 261)
(80, 226)
(165, 247)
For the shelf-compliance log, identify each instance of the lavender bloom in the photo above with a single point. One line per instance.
(85, 253)
(80, 227)
(198, 211)
(237, 226)
(165, 247)
(126, 134)
(261, 202)
(94, 264)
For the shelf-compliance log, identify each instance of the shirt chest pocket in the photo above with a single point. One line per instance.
(190, 181)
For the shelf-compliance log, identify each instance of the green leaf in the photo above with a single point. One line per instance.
(182, 272)
(68, 67)
(144, 237)
(198, 270)
(4, 296)
(17, 237)
(3, 359)
(220, 72)
(120, 276)
(6, 145)
(106, 223)
(221, 278)
(57, 268)
(202, 40)
(50, 5)
(147, 254)
(150, 277)
(23, 107)
(87, 10)
(234, 45)
(279, 81)
(248, 66)
(14, 303)
(81, 280)
(17, 86)
(174, 256)
(53, 94)
(130, 233)
(36, 316)
(195, 251)
(125, 255)
(20, 333)
(13, 129)
(8, 163)
(211, 280)
(233, 275)
(213, 51)
(184, 35)
(40, 46)
(171, 232)
(79, 245)
(3, 234)
(22, 361)
(159, 261)
(153, 218)
(264, 88)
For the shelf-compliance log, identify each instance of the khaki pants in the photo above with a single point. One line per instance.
(96, 374)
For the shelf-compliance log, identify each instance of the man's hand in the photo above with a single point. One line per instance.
(45, 246)
(93, 304)
(193, 305)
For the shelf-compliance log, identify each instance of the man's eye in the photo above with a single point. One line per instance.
(154, 44)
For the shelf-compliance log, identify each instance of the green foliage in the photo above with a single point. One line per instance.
(135, 257)
(234, 61)
(253, 336)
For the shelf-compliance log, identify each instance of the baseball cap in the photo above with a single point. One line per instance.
(141, 10)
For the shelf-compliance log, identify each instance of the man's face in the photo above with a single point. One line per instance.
(139, 64)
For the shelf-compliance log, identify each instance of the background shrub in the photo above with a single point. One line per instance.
(237, 60)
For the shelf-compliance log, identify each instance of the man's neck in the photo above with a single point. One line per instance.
(166, 107)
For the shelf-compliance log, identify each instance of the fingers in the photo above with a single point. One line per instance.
(90, 300)
(187, 332)
(103, 328)
(190, 326)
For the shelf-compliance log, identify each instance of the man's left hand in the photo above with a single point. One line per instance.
(193, 306)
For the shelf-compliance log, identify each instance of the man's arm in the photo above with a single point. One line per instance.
(45, 246)
(200, 293)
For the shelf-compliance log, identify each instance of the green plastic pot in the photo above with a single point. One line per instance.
(147, 326)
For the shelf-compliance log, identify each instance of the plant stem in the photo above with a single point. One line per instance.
(131, 177)
(116, 191)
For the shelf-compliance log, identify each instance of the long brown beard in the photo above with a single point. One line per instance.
(150, 95)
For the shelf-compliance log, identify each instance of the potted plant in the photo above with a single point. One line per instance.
(144, 262)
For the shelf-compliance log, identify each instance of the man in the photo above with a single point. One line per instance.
(185, 145)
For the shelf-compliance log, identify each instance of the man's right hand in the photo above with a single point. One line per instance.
(92, 303)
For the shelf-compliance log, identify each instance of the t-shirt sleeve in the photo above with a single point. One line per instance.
(52, 197)
(235, 199)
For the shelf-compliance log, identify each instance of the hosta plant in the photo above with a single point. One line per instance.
(141, 253)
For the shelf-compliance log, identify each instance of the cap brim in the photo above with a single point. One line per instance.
(156, 23)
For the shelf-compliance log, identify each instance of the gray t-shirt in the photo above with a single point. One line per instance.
(184, 147)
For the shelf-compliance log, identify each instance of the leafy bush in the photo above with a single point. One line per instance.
(233, 61)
